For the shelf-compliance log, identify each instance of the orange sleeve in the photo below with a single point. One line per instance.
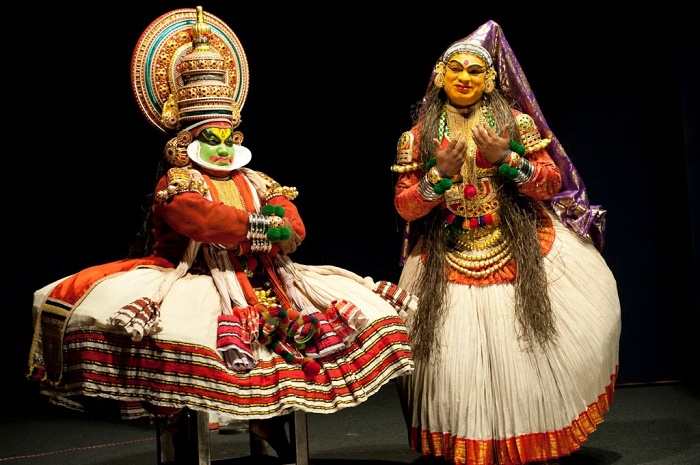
(290, 213)
(192, 215)
(546, 181)
(407, 200)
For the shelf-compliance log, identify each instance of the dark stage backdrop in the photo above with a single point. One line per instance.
(332, 88)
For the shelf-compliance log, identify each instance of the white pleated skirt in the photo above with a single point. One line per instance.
(485, 398)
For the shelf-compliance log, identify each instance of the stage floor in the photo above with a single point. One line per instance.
(649, 425)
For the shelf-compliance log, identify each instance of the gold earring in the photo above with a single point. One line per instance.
(439, 71)
(490, 81)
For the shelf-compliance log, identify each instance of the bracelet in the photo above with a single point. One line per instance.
(258, 225)
(520, 174)
(427, 190)
(434, 175)
(260, 246)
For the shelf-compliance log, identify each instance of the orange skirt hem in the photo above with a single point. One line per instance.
(516, 450)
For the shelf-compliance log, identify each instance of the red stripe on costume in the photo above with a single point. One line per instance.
(163, 387)
(516, 450)
(148, 364)
(208, 379)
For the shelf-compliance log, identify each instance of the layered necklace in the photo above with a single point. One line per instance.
(477, 247)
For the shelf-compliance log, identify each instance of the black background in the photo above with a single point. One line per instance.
(332, 88)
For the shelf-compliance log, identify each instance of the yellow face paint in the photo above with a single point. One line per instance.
(465, 79)
(221, 133)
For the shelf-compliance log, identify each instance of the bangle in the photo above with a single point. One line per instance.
(427, 190)
(434, 175)
(520, 174)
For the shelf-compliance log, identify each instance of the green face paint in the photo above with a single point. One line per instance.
(216, 146)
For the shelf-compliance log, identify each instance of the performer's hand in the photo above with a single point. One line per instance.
(291, 244)
(492, 146)
(450, 158)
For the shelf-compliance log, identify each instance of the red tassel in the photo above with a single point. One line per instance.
(310, 367)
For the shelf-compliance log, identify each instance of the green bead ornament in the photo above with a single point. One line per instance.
(442, 185)
(285, 233)
(274, 234)
(507, 171)
(517, 147)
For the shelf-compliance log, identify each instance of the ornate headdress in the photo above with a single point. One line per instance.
(188, 68)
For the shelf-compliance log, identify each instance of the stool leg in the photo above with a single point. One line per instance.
(159, 447)
(165, 446)
(301, 438)
(203, 446)
(190, 438)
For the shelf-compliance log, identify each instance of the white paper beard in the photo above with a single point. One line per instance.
(241, 157)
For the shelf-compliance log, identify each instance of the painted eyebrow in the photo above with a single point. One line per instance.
(212, 135)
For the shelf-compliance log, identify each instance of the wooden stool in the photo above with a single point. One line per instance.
(190, 444)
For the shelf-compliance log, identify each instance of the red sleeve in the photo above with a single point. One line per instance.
(546, 181)
(191, 215)
(290, 213)
(407, 200)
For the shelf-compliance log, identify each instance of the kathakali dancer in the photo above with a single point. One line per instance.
(218, 319)
(516, 333)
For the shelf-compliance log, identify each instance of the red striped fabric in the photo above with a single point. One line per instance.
(178, 375)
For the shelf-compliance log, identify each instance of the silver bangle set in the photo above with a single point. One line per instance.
(526, 171)
(258, 225)
(425, 189)
(257, 232)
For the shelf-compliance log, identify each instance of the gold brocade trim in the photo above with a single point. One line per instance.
(290, 192)
(529, 134)
(228, 193)
(197, 64)
(477, 239)
(486, 172)
(205, 91)
(404, 148)
(415, 166)
(484, 202)
(182, 180)
(273, 188)
(536, 147)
